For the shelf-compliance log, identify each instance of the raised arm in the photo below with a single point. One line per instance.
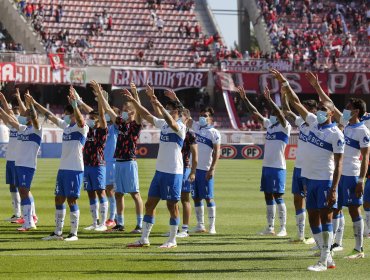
(22, 107)
(103, 121)
(136, 96)
(48, 114)
(289, 115)
(79, 118)
(144, 113)
(104, 103)
(167, 117)
(150, 93)
(171, 95)
(84, 107)
(292, 96)
(315, 83)
(30, 105)
(250, 106)
(278, 113)
(9, 119)
(5, 104)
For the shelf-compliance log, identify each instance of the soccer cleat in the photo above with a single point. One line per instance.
(355, 255)
(317, 267)
(309, 241)
(35, 219)
(137, 230)
(138, 244)
(116, 228)
(23, 229)
(199, 229)
(212, 230)
(12, 219)
(52, 236)
(92, 227)
(19, 221)
(110, 223)
(101, 228)
(331, 263)
(168, 245)
(268, 231)
(182, 234)
(282, 233)
(71, 237)
(336, 247)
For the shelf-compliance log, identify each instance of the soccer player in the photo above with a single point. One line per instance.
(274, 164)
(209, 141)
(126, 172)
(94, 169)
(298, 182)
(29, 140)
(10, 159)
(323, 173)
(71, 169)
(167, 181)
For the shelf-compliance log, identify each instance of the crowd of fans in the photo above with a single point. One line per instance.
(6, 42)
(310, 47)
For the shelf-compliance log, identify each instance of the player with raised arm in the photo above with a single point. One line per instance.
(29, 141)
(298, 182)
(126, 173)
(71, 168)
(323, 173)
(167, 181)
(10, 159)
(274, 163)
(94, 167)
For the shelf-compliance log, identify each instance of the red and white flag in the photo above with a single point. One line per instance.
(56, 61)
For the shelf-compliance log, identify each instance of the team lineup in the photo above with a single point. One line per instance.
(99, 153)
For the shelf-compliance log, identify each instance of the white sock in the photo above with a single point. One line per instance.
(173, 232)
(75, 219)
(327, 240)
(27, 216)
(103, 212)
(367, 215)
(94, 210)
(212, 216)
(358, 231)
(282, 214)
(147, 227)
(270, 215)
(60, 215)
(16, 203)
(340, 231)
(301, 224)
(318, 239)
(33, 208)
(199, 212)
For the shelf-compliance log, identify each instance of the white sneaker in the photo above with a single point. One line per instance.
(101, 227)
(282, 233)
(309, 241)
(268, 231)
(212, 230)
(52, 236)
(337, 248)
(71, 237)
(168, 245)
(199, 229)
(355, 255)
(182, 234)
(92, 227)
(317, 267)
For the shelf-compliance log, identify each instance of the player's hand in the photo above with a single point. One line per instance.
(149, 91)
(28, 98)
(359, 191)
(332, 198)
(312, 78)
(127, 94)
(96, 87)
(170, 94)
(17, 94)
(267, 94)
(241, 92)
(191, 177)
(210, 173)
(278, 75)
(133, 88)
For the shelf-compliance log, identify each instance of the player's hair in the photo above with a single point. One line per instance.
(176, 105)
(359, 104)
(310, 104)
(94, 113)
(329, 104)
(186, 112)
(209, 110)
(69, 109)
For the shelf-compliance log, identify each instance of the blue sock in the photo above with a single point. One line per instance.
(149, 219)
(73, 208)
(174, 222)
(26, 201)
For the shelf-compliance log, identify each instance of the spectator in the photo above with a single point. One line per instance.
(140, 56)
(110, 23)
(29, 11)
(150, 44)
(197, 30)
(188, 29)
(160, 25)
(181, 30)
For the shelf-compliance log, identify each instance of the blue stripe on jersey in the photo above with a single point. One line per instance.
(13, 134)
(172, 137)
(277, 136)
(74, 136)
(365, 118)
(30, 138)
(313, 139)
(204, 140)
(302, 136)
(352, 143)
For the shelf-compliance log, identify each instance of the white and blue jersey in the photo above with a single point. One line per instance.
(277, 138)
(29, 141)
(366, 120)
(206, 138)
(11, 151)
(324, 141)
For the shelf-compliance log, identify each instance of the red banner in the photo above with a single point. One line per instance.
(56, 60)
(159, 78)
(336, 83)
(7, 72)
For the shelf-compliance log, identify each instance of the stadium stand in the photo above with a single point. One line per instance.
(7, 43)
(319, 34)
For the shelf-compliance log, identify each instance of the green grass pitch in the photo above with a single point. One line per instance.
(236, 252)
